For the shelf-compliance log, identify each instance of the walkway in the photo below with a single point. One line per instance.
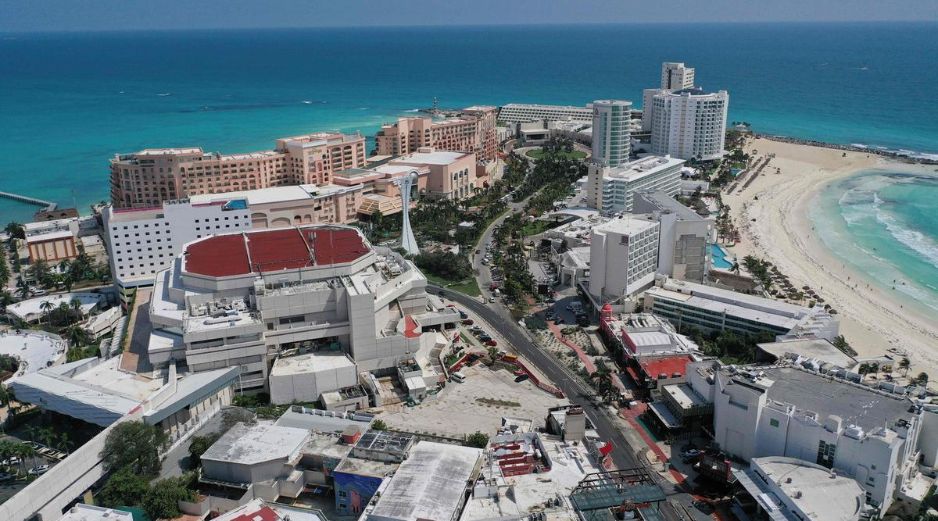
(584, 358)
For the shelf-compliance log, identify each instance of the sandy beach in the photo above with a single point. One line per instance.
(772, 215)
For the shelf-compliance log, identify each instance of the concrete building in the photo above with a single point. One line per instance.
(432, 483)
(282, 206)
(641, 335)
(611, 132)
(862, 433)
(473, 131)
(788, 489)
(612, 190)
(452, 175)
(684, 235)
(151, 176)
(304, 378)
(689, 123)
(526, 112)
(260, 510)
(688, 304)
(623, 257)
(52, 241)
(100, 392)
(263, 455)
(240, 299)
(144, 241)
(676, 76)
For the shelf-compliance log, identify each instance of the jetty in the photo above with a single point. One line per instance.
(48, 205)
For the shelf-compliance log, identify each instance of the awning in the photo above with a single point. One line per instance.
(664, 414)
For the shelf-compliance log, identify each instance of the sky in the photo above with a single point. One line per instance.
(95, 15)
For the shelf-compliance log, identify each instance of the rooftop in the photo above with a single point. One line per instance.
(627, 225)
(429, 484)
(854, 404)
(82, 512)
(273, 250)
(437, 157)
(816, 348)
(812, 489)
(259, 510)
(311, 363)
(641, 168)
(35, 349)
(274, 194)
(252, 444)
(665, 365)
(661, 201)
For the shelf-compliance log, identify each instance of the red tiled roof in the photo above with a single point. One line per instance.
(218, 256)
(652, 367)
(263, 514)
(273, 250)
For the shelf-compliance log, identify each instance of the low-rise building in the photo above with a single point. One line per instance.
(639, 335)
(612, 189)
(56, 240)
(452, 175)
(306, 377)
(707, 308)
(101, 392)
(526, 112)
(789, 489)
(432, 483)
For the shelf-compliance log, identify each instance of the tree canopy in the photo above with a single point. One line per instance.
(136, 445)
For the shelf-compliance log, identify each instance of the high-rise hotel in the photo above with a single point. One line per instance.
(611, 133)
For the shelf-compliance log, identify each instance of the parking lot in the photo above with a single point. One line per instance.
(16, 472)
(478, 404)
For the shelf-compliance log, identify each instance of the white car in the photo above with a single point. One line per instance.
(37, 471)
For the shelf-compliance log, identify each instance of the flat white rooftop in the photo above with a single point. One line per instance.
(641, 168)
(626, 225)
(31, 309)
(311, 363)
(429, 484)
(437, 157)
(275, 194)
(82, 512)
(813, 490)
(252, 444)
(35, 349)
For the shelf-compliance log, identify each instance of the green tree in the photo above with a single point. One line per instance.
(4, 271)
(76, 335)
(136, 445)
(42, 273)
(904, 365)
(46, 307)
(379, 425)
(198, 446)
(15, 230)
(478, 439)
(22, 288)
(162, 500)
(921, 379)
(123, 487)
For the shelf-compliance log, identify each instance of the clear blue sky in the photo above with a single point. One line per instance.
(84, 15)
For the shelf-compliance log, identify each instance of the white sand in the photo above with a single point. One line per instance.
(872, 319)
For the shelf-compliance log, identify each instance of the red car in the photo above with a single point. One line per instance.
(491, 343)
(467, 322)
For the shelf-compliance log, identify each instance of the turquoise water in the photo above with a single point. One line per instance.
(69, 102)
(885, 224)
(718, 257)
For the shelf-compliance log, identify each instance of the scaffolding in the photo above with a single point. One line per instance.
(601, 494)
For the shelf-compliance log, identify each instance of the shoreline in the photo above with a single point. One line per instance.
(774, 220)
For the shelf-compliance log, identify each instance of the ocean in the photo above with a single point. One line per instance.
(885, 224)
(70, 101)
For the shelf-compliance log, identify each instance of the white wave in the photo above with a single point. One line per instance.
(412, 110)
(307, 102)
(914, 239)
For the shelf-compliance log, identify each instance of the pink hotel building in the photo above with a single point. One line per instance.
(473, 131)
(151, 176)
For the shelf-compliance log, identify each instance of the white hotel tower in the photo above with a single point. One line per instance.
(611, 135)
(689, 123)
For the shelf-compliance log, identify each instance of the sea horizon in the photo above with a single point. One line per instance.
(238, 90)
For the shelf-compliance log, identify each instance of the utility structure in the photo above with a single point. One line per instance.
(408, 241)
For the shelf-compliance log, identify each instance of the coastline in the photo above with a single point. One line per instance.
(773, 217)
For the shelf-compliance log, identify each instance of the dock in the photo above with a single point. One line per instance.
(48, 205)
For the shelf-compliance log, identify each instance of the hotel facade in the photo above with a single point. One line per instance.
(151, 176)
(472, 131)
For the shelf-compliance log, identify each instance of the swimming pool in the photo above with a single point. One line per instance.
(718, 258)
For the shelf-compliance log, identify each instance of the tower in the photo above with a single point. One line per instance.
(408, 241)
(611, 134)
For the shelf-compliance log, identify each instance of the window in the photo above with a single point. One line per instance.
(773, 422)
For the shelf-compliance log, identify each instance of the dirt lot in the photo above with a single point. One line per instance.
(478, 404)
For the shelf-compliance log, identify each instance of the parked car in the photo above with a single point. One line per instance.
(491, 342)
(37, 471)
(491, 300)
(521, 377)
(467, 322)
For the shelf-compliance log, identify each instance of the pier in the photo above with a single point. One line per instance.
(48, 205)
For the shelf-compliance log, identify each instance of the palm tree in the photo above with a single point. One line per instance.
(24, 451)
(22, 288)
(904, 365)
(63, 311)
(46, 308)
(15, 230)
(47, 436)
(65, 442)
(76, 335)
